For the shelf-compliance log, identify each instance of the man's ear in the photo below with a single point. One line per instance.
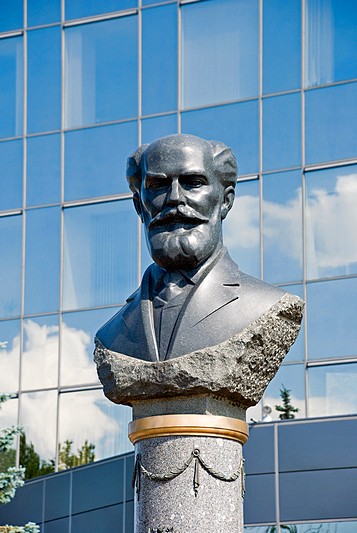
(228, 200)
(137, 205)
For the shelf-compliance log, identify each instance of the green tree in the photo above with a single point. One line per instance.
(68, 459)
(287, 410)
(11, 477)
(31, 461)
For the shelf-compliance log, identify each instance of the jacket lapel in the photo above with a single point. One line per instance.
(139, 319)
(219, 287)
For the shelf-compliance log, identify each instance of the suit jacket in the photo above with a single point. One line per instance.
(222, 304)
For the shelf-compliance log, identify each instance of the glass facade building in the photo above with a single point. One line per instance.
(82, 84)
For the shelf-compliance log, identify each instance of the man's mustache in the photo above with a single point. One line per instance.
(180, 214)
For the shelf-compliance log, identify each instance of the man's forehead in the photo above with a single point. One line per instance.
(178, 157)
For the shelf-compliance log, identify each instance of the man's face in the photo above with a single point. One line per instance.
(180, 203)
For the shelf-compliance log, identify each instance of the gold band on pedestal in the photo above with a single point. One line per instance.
(188, 425)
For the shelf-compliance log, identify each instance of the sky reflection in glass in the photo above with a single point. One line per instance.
(237, 125)
(282, 131)
(9, 357)
(153, 128)
(38, 418)
(291, 377)
(332, 318)
(11, 15)
(100, 254)
(109, 434)
(11, 156)
(10, 270)
(331, 118)
(95, 160)
(282, 227)
(331, 222)
(39, 368)
(241, 228)
(101, 72)
(159, 63)
(44, 80)
(281, 43)
(77, 334)
(11, 93)
(219, 51)
(43, 12)
(332, 390)
(43, 180)
(42, 260)
(330, 41)
(87, 8)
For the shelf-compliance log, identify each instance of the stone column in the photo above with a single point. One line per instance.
(189, 474)
(189, 422)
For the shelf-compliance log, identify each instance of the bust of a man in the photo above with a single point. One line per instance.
(193, 296)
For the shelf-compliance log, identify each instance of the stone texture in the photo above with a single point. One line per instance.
(195, 405)
(172, 505)
(238, 369)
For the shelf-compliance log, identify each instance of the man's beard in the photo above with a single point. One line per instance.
(184, 248)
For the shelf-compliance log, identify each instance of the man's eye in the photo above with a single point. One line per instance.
(192, 182)
(157, 183)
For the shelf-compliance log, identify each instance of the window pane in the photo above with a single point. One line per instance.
(87, 8)
(159, 69)
(11, 91)
(109, 434)
(331, 222)
(101, 71)
(77, 334)
(281, 43)
(43, 12)
(11, 175)
(219, 51)
(100, 254)
(292, 377)
(297, 351)
(332, 312)
(43, 183)
(236, 125)
(241, 228)
(10, 268)
(330, 41)
(39, 367)
(38, 417)
(44, 80)
(42, 260)
(332, 390)
(153, 128)
(9, 356)
(281, 132)
(95, 160)
(11, 15)
(282, 227)
(331, 117)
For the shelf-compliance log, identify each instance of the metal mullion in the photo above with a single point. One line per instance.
(99, 18)
(140, 111)
(261, 235)
(179, 66)
(60, 295)
(304, 199)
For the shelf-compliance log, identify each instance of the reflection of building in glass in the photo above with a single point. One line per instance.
(82, 84)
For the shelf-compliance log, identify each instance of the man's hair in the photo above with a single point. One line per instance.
(225, 164)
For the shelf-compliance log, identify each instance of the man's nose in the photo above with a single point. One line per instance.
(174, 195)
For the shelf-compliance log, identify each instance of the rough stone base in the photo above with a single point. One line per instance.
(172, 506)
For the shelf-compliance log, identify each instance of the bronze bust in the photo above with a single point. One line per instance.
(193, 296)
